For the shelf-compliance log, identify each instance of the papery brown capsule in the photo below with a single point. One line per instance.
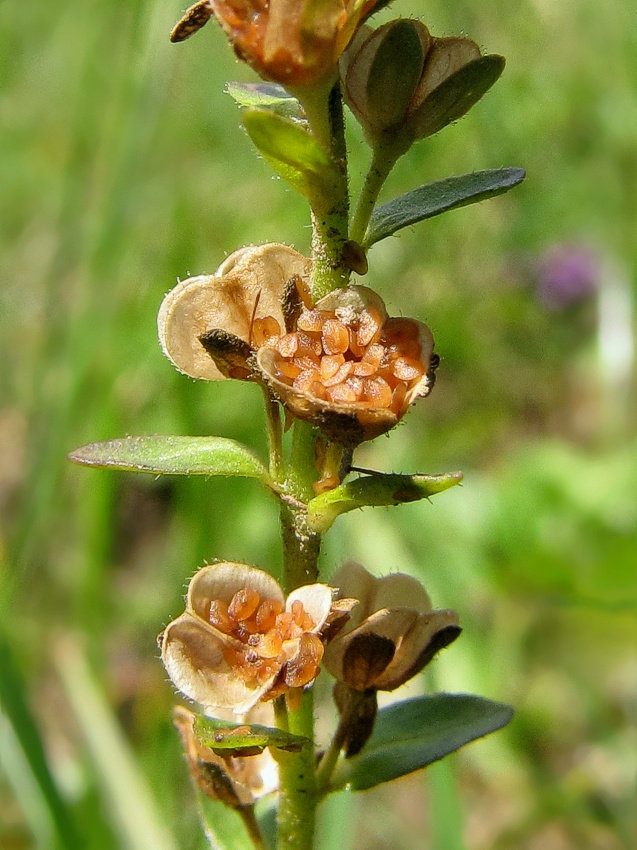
(293, 42)
(349, 368)
(391, 635)
(246, 289)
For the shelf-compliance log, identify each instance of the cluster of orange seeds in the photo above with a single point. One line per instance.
(264, 627)
(348, 357)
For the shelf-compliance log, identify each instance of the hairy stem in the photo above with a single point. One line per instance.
(296, 814)
(330, 212)
(273, 430)
(383, 160)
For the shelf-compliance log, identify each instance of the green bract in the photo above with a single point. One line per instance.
(404, 84)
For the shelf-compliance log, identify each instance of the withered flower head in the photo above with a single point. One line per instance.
(293, 42)
(392, 633)
(240, 641)
(348, 367)
(239, 305)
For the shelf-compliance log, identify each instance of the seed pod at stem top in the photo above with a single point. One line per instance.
(293, 42)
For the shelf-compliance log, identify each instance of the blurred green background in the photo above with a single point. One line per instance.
(123, 167)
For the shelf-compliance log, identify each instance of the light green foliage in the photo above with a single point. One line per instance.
(173, 455)
(375, 490)
(224, 737)
(440, 196)
(118, 176)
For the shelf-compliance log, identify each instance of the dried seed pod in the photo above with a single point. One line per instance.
(349, 368)
(247, 287)
(195, 17)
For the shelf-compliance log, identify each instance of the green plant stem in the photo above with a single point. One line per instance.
(333, 752)
(273, 429)
(296, 813)
(296, 816)
(383, 160)
(330, 209)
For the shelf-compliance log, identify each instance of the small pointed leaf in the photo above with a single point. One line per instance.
(377, 489)
(291, 151)
(438, 197)
(173, 456)
(269, 96)
(234, 739)
(410, 735)
(456, 95)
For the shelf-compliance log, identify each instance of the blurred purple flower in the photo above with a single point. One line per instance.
(565, 274)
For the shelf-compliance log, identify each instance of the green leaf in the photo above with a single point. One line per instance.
(292, 151)
(270, 96)
(376, 489)
(456, 95)
(410, 735)
(225, 828)
(226, 738)
(435, 198)
(173, 456)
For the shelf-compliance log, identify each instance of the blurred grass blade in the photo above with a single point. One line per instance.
(434, 198)
(410, 735)
(14, 705)
(134, 813)
(375, 490)
(337, 821)
(447, 816)
(173, 456)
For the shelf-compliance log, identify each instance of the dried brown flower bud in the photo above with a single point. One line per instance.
(391, 635)
(293, 42)
(236, 781)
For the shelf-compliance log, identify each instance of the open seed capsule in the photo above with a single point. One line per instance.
(349, 368)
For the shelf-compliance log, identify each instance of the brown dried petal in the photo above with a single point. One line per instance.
(194, 18)
(193, 655)
(365, 659)
(396, 590)
(221, 582)
(250, 278)
(431, 633)
(350, 656)
(358, 711)
(316, 600)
